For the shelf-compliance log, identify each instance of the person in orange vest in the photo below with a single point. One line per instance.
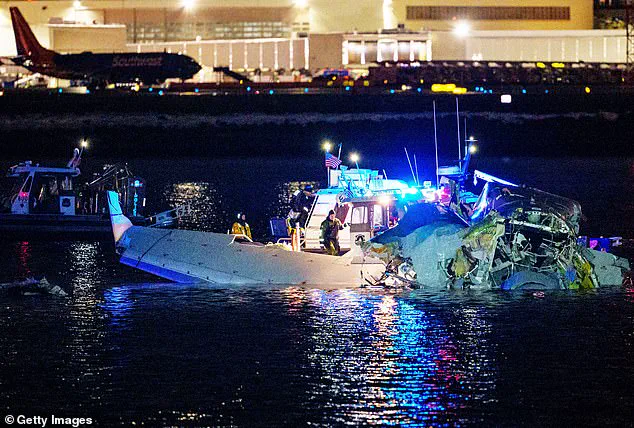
(241, 227)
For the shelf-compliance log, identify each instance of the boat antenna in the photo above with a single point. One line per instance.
(416, 168)
(459, 139)
(385, 174)
(339, 154)
(466, 145)
(410, 165)
(436, 141)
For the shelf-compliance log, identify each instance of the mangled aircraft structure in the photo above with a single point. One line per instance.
(510, 237)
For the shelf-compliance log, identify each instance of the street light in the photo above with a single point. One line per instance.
(301, 3)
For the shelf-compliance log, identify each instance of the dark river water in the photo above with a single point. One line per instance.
(126, 349)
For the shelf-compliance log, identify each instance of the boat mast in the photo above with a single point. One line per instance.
(459, 140)
(435, 141)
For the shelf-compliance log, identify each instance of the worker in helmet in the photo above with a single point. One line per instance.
(330, 228)
(241, 227)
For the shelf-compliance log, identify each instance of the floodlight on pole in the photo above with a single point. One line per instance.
(188, 4)
(462, 29)
(326, 145)
(354, 157)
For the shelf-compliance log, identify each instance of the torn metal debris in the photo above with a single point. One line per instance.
(512, 237)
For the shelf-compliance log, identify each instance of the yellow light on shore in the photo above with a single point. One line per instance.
(443, 87)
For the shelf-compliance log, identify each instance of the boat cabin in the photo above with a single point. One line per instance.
(364, 199)
(43, 190)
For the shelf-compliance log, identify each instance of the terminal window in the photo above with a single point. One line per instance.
(179, 31)
(443, 13)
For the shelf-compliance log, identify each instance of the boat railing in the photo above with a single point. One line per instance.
(239, 236)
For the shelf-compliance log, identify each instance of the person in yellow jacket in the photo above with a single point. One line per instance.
(241, 227)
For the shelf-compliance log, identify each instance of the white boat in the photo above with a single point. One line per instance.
(189, 256)
(362, 198)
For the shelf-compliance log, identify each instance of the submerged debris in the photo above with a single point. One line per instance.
(512, 237)
(33, 286)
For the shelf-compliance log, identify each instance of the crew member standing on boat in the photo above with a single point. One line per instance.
(241, 227)
(330, 233)
(302, 202)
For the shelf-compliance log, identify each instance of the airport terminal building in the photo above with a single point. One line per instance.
(315, 34)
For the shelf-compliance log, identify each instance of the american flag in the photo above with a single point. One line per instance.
(332, 161)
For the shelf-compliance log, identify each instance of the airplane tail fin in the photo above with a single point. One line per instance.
(25, 41)
(120, 223)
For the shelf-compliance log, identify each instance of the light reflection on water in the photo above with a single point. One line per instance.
(291, 356)
(207, 209)
(388, 361)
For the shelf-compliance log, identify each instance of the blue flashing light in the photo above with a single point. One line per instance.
(523, 91)
(305, 90)
(59, 90)
(271, 92)
(87, 91)
(248, 89)
(392, 91)
(420, 89)
(546, 91)
(347, 88)
(196, 90)
(490, 91)
(160, 92)
(151, 89)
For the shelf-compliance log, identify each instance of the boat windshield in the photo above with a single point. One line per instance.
(9, 188)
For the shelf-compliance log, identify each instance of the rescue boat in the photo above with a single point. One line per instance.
(364, 200)
(48, 201)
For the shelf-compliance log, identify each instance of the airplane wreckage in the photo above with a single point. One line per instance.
(510, 237)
